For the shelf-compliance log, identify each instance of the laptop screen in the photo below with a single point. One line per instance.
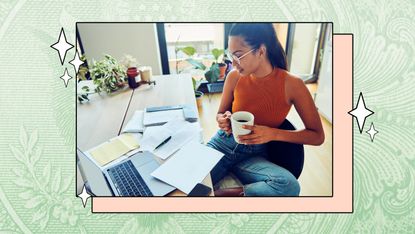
(92, 174)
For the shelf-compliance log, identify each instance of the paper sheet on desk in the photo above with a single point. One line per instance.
(178, 140)
(135, 124)
(188, 166)
(160, 117)
(155, 135)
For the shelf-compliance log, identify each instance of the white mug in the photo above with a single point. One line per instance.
(237, 120)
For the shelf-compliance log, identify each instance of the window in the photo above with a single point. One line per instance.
(202, 36)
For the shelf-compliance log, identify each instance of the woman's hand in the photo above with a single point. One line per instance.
(224, 122)
(259, 135)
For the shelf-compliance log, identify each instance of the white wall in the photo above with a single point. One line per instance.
(117, 39)
(304, 45)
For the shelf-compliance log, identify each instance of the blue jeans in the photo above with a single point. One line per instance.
(248, 163)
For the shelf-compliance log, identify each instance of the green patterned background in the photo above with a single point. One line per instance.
(37, 127)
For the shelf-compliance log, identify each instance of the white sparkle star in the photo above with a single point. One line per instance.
(361, 112)
(372, 132)
(76, 62)
(66, 77)
(62, 46)
(84, 196)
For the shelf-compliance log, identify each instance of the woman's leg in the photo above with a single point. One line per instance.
(264, 178)
(227, 145)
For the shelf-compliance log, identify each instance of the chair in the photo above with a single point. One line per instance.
(287, 155)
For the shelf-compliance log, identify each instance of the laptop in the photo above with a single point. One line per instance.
(130, 177)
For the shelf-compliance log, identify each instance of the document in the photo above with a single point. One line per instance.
(114, 149)
(177, 141)
(161, 117)
(176, 132)
(153, 136)
(189, 166)
(135, 124)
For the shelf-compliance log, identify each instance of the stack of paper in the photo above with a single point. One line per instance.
(114, 149)
(189, 166)
(136, 123)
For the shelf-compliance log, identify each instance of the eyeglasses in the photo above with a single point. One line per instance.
(236, 58)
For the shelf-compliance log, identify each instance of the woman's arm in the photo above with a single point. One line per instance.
(223, 115)
(227, 93)
(313, 134)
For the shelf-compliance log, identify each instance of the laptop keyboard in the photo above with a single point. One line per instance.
(129, 181)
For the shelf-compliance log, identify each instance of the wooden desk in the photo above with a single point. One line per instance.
(100, 119)
(104, 116)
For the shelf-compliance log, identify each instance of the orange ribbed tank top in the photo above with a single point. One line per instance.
(264, 97)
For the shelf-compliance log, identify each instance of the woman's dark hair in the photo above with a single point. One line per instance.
(256, 34)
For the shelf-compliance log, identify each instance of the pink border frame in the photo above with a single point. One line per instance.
(342, 199)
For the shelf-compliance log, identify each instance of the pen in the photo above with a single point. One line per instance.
(164, 142)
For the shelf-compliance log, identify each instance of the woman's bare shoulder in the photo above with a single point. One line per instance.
(232, 77)
(292, 79)
(294, 86)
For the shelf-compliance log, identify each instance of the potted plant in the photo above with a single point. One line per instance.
(222, 66)
(190, 52)
(108, 75)
(212, 76)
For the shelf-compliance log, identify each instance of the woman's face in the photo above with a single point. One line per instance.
(249, 63)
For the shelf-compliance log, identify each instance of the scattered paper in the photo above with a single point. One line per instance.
(161, 117)
(155, 135)
(178, 140)
(188, 166)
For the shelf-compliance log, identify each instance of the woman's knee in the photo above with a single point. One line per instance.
(278, 185)
(284, 185)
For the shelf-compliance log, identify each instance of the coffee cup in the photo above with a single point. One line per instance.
(237, 120)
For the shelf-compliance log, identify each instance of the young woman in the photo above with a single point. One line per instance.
(261, 84)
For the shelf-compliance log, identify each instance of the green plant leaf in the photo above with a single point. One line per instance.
(212, 75)
(196, 64)
(188, 50)
(217, 53)
(107, 73)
